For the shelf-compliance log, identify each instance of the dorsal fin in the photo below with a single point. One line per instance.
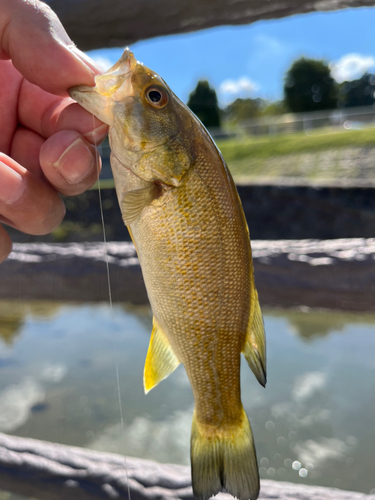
(255, 344)
(161, 361)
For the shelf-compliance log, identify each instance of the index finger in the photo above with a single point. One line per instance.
(47, 114)
(32, 36)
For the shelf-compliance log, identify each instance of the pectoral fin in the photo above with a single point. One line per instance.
(135, 201)
(255, 345)
(161, 361)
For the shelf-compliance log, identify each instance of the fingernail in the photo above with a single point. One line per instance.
(12, 184)
(86, 60)
(76, 162)
(98, 134)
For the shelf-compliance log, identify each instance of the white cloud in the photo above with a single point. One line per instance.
(318, 452)
(230, 89)
(300, 414)
(16, 402)
(306, 385)
(351, 67)
(243, 84)
(164, 441)
(53, 373)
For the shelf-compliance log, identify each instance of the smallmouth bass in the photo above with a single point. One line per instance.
(185, 218)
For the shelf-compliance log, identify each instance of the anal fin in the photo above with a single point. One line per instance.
(161, 361)
(255, 344)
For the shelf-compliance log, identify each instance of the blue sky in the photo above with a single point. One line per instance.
(251, 60)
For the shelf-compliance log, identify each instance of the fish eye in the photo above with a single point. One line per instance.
(157, 96)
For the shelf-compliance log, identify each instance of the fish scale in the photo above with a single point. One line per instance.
(183, 212)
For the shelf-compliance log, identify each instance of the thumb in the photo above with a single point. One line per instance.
(32, 36)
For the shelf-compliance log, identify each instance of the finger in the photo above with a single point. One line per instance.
(27, 203)
(47, 114)
(69, 162)
(25, 150)
(5, 244)
(33, 37)
(10, 84)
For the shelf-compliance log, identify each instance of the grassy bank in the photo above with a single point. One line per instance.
(313, 157)
(269, 146)
(328, 157)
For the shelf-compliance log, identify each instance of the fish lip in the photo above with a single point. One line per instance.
(126, 58)
(115, 83)
(82, 88)
(79, 91)
(121, 70)
(93, 102)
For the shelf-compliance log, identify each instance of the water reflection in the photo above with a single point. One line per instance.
(313, 423)
(319, 323)
(13, 315)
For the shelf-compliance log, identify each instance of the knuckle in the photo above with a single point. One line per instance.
(48, 217)
(53, 218)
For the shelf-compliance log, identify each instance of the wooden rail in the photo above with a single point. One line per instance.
(329, 274)
(94, 24)
(49, 471)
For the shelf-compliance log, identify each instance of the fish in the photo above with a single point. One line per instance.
(181, 207)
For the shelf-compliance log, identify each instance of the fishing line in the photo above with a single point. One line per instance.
(104, 234)
(106, 256)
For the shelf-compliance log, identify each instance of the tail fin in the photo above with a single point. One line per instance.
(224, 459)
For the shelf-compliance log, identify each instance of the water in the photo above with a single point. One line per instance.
(314, 423)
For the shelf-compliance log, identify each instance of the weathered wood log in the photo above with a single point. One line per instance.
(50, 471)
(108, 23)
(331, 274)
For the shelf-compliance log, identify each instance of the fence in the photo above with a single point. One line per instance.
(348, 118)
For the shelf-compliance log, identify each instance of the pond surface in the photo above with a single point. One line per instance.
(313, 424)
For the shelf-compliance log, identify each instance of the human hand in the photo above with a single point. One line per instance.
(46, 140)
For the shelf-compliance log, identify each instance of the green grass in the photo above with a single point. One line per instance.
(300, 142)
(311, 158)
(267, 156)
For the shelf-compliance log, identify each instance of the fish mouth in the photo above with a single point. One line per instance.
(112, 86)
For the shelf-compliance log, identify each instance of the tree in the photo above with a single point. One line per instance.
(309, 86)
(203, 102)
(274, 108)
(244, 109)
(359, 92)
